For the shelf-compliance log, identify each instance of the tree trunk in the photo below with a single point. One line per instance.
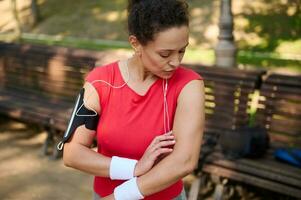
(35, 12)
(18, 29)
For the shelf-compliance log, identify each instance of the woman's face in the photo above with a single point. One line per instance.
(164, 54)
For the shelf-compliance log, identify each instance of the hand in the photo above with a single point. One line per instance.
(160, 146)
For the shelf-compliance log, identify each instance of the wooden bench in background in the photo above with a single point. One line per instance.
(279, 111)
(39, 84)
(228, 96)
(227, 104)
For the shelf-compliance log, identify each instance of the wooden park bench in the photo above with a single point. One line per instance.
(279, 111)
(228, 95)
(39, 84)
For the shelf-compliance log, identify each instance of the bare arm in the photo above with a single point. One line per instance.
(77, 152)
(188, 130)
(78, 155)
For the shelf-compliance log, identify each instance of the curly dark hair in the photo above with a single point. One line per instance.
(148, 17)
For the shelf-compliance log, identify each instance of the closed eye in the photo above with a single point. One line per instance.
(164, 55)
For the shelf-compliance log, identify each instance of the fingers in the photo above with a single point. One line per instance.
(161, 151)
(158, 154)
(164, 144)
(166, 136)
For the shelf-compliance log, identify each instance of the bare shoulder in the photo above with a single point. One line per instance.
(192, 92)
(91, 98)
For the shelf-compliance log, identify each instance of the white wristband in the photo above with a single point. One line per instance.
(128, 191)
(122, 168)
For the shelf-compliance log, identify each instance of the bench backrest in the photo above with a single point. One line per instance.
(279, 109)
(52, 72)
(228, 96)
(57, 73)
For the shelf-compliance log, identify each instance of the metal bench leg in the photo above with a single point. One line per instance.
(48, 141)
(219, 188)
(55, 152)
(195, 187)
(218, 192)
(49, 146)
(194, 190)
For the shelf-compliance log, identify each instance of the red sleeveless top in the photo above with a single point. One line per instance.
(129, 121)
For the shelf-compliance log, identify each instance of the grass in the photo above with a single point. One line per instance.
(269, 62)
(247, 59)
(84, 43)
(98, 25)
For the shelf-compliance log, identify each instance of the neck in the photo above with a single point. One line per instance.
(138, 71)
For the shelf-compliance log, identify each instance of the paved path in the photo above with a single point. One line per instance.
(27, 175)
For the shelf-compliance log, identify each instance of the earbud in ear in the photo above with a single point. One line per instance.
(137, 52)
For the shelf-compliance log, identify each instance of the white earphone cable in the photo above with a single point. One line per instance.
(165, 104)
(109, 84)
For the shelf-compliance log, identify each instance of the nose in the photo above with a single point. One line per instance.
(175, 61)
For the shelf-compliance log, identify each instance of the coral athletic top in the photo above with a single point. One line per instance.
(129, 121)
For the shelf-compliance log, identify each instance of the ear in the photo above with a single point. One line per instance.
(136, 45)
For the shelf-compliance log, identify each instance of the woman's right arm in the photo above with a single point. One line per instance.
(77, 152)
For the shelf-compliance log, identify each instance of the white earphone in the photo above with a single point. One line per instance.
(165, 104)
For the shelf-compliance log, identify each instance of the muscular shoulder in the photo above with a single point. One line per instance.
(183, 73)
(184, 77)
(193, 91)
(92, 90)
(100, 72)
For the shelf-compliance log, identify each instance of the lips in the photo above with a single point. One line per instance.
(170, 71)
(168, 74)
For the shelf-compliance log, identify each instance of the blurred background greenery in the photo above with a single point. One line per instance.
(267, 32)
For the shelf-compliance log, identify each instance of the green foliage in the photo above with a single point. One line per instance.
(273, 22)
(261, 26)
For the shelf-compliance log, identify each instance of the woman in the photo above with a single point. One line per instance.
(151, 111)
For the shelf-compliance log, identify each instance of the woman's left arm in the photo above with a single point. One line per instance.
(188, 130)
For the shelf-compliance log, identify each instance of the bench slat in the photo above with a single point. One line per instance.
(270, 185)
(281, 79)
(250, 167)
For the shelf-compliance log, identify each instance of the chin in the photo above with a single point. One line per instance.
(168, 75)
(165, 75)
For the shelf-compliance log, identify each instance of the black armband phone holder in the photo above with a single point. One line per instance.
(80, 115)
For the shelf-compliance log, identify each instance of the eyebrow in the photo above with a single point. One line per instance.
(173, 49)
